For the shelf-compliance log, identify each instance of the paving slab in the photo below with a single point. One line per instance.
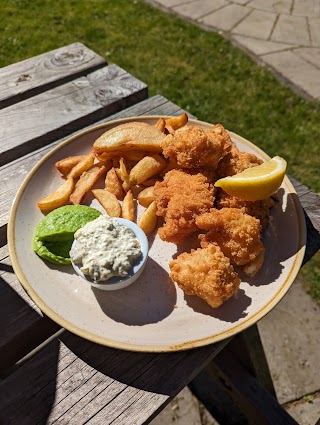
(297, 70)
(281, 6)
(258, 24)
(199, 8)
(292, 29)
(262, 27)
(260, 47)
(290, 337)
(314, 25)
(227, 17)
(306, 411)
(309, 8)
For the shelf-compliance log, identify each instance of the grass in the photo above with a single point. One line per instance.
(199, 70)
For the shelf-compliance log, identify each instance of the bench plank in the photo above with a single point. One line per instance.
(32, 76)
(40, 120)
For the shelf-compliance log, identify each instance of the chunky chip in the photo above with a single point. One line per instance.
(128, 208)
(148, 220)
(177, 122)
(82, 166)
(59, 198)
(113, 184)
(148, 167)
(85, 183)
(145, 197)
(109, 202)
(65, 165)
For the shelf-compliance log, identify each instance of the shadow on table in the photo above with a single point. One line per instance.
(23, 399)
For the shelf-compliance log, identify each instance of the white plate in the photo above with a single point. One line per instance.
(152, 314)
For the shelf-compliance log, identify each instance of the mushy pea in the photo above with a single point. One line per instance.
(54, 234)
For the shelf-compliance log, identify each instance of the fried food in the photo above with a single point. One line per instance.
(180, 198)
(258, 209)
(130, 136)
(193, 147)
(145, 197)
(113, 184)
(235, 162)
(206, 273)
(59, 198)
(86, 181)
(82, 166)
(148, 167)
(65, 165)
(148, 220)
(128, 207)
(109, 202)
(238, 234)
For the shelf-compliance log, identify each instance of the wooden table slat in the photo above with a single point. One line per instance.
(32, 76)
(72, 380)
(44, 118)
(23, 327)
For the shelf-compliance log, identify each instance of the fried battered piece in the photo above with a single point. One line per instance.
(180, 198)
(235, 162)
(193, 147)
(258, 209)
(238, 234)
(206, 273)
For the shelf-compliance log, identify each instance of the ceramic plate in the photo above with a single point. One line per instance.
(152, 314)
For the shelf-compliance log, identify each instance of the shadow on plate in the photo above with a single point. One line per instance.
(231, 310)
(283, 239)
(148, 300)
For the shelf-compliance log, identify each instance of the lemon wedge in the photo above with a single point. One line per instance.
(255, 183)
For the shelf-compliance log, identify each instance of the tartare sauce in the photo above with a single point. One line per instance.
(105, 249)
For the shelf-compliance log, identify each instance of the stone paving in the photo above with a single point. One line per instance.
(283, 34)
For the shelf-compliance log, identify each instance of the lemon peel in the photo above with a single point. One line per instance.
(256, 183)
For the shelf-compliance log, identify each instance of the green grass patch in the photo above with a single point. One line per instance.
(199, 70)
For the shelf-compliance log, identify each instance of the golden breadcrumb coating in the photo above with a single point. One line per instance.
(235, 162)
(206, 273)
(180, 198)
(258, 209)
(238, 234)
(193, 147)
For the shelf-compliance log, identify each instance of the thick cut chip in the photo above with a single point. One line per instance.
(65, 165)
(130, 136)
(177, 122)
(128, 209)
(146, 196)
(113, 184)
(148, 220)
(59, 198)
(109, 202)
(85, 183)
(82, 166)
(148, 167)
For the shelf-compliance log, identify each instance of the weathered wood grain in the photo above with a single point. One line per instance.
(310, 203)
(32, 76)
(12, 174)
(72, 381)
(23, 326)
(42, 119)
(257, 404)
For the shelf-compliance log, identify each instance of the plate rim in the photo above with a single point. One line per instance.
(138, 347)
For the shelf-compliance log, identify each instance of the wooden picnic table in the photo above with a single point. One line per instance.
(49, 375)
